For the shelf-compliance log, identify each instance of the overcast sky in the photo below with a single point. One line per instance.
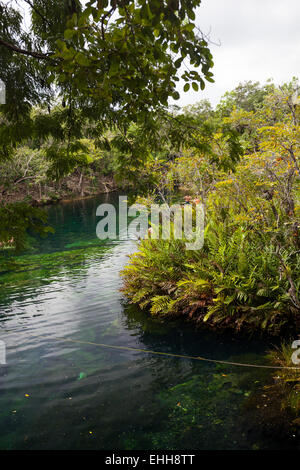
(260, 39)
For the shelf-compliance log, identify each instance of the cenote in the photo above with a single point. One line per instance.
(58, 394)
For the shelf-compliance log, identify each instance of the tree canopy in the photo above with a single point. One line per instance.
(85, 67)
(112, 62)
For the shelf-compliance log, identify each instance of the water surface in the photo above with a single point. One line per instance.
(57, 394)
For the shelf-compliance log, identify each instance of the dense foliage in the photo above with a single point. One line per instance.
(248, 272)
(87, 89)
(85, 69)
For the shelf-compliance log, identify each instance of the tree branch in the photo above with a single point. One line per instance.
(12, 47)
(29, 2)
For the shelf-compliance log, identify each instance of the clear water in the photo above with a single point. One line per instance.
(61, 395)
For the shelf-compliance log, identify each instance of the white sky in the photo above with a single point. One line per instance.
(260, 39)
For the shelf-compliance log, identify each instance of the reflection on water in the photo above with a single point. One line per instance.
(60, 395)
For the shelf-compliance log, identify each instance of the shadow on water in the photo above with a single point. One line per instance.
(61, 395)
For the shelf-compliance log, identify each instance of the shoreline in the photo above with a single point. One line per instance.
(67, 191)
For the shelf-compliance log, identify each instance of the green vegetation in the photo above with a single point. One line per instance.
(287, 380)
(80, 72)
(247, 275)
(196, 413)
(89, 101)
(88, 87)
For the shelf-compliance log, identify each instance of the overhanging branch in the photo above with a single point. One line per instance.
(12, 47)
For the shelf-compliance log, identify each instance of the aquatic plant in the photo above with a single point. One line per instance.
(287, 381)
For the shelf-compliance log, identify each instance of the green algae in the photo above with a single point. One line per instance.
(25, 268)
(82, 375)
(201, 413)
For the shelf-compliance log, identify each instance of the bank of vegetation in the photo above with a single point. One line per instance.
(242, 162)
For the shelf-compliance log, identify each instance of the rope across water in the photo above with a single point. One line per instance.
(161, 353)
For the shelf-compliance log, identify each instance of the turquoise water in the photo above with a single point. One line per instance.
(57, 394)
